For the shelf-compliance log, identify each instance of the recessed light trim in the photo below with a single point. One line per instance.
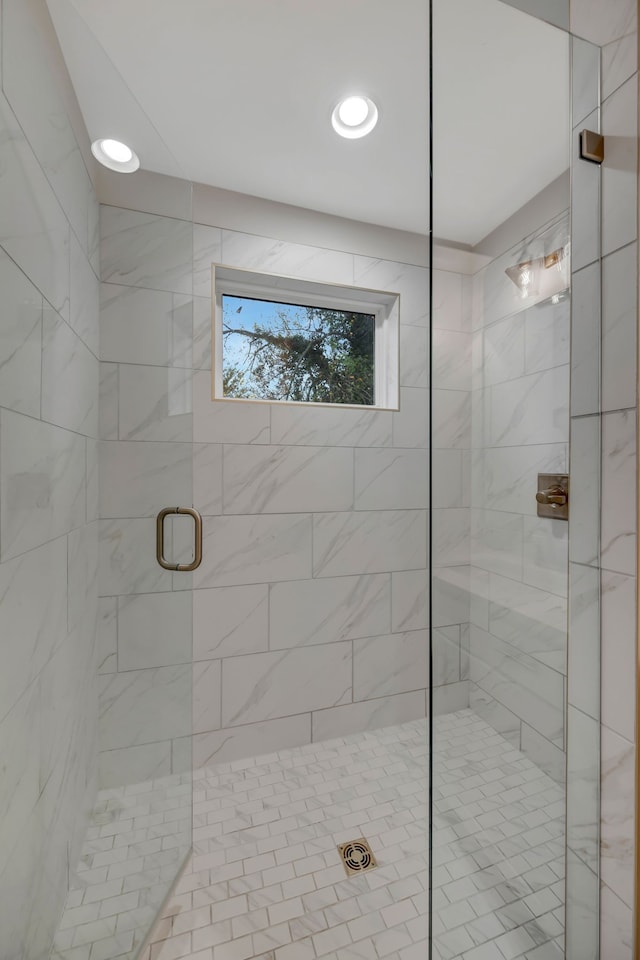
(354, 117)
(115, 155)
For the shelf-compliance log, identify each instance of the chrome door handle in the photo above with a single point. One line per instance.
(197, 548)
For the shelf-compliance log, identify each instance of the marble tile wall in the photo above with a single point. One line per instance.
(517, 646)
(309, 610)
(603, 567)
(452, 341)
(48, 484)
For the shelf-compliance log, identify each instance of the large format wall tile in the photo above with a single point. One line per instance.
(84, 306)
(397, 663)
(308, 612)
(249, 252)
(40, 105)
(264, 686)
(391, 479)
(589, 19)
(326, 426)
(369, 542)
(367, 715)
(526, 687)
(618, 682)
(411, 282)
(155, 403)
(618, 492)
(20, 341)
(139, 479)
(142, 250)
(154, 630)
(411, 422)
(42, 483)
(254, 739)
(617, 836)
(145, 326)
(230, 621)
(66, 360)
(533, 409)
(619, 330)
(255, 549)
(33, 615)
(144, 706)
(227, 421)
(266, 479)
(586, 341)
(409, 600)
(48, 481)
(620, 167)
(619, 62)
(34, 230)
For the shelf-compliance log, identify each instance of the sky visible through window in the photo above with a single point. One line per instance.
(282, 351)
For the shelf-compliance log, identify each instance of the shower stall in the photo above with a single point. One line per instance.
(297, 680)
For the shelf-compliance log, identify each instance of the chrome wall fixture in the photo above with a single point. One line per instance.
(553, 496)
(592, 146)
(197, 547)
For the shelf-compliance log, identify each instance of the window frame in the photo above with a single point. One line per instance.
(278, 288)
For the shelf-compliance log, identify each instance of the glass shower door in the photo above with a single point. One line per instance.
(515, 388)
(141, 825)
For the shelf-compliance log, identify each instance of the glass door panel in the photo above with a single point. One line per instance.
(511, 713)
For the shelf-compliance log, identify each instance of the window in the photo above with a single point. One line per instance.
(283, 340)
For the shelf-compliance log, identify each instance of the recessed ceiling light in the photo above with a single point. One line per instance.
(354, 117)
(115, 155)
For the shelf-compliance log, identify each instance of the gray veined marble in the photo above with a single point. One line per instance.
(620, 170)
(619, 330)
(142, 250)
(285, 479)
(249, 252)
(326, 426)
(411, 422)
(144, 706)
(599, 24)
(583, 787)
(619, 62)
(617, 837)
(383, 666)
(66, 359)
(411, 282)
(618, 493)
(391, 479)
(230, 621)
(255, 549)
(84, 311)
(386, 540)
(40, 105)
(329, 610)
(155, 403)
(261, 686)
(34, 230)
(227, 421)
(145, 326)
(42, 482)
(448, 301)
(451, 419)
(20, 340)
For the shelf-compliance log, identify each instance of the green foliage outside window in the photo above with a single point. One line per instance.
(279, 351)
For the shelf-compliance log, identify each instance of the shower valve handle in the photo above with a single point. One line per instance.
(553, 496)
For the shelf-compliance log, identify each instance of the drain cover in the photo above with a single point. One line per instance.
(357, 856)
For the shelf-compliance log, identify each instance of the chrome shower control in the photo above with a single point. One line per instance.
(553, 496)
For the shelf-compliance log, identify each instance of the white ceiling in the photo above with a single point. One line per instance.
(239, 94)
